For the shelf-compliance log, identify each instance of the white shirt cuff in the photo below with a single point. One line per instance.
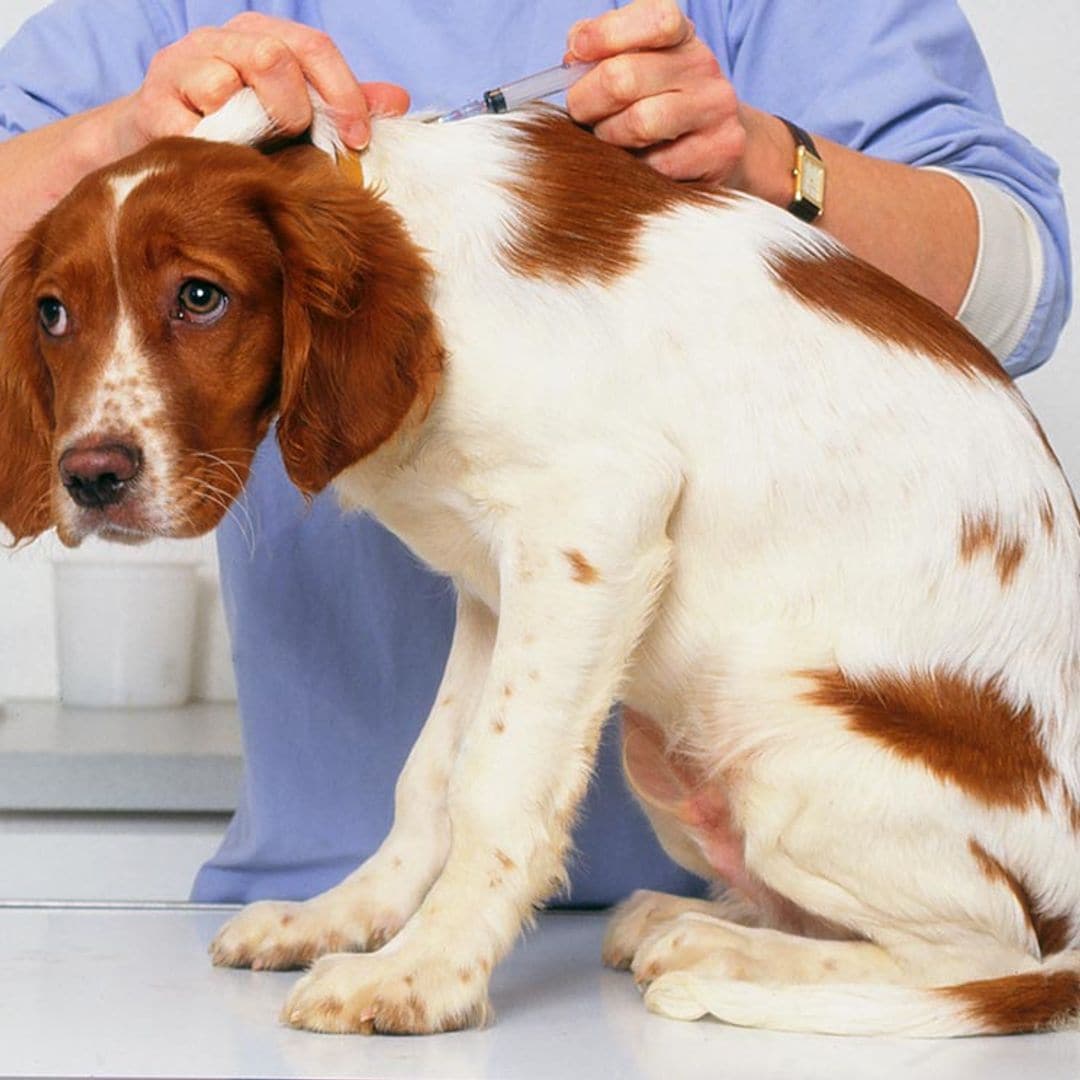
(1008, 271)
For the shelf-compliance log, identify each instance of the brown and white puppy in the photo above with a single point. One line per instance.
(673, 448)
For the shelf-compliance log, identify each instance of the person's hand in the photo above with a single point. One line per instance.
(658, 90)
(277, 58)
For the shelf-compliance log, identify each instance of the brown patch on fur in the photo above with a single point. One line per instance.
(26, 396)
(852, 291)
(1046, 514)
(1053, 932)
(983, 535)
(286, 919)
(1072, 807)
(1018, 1003)
(582, 203)
(465, 974)
(508, 690)
(505, 861)
(580, 568)
(964, 733)
(996, 872)
(498, 725)
(361, 350)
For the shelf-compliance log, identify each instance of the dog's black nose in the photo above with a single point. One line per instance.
(97, 476)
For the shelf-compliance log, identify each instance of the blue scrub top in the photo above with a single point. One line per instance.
(339, 636)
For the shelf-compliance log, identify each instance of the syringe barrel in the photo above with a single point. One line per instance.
(543, 84)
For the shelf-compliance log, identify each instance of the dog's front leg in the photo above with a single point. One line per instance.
(373, 902)
(572, 607)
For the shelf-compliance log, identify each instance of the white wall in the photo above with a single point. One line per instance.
(1031, 50)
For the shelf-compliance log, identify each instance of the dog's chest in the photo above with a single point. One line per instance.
(432, 511)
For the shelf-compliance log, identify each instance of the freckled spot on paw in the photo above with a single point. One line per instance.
(580, 568)
(504, 860)
(465, 975)
(508, 690)
(498, 725)
(410, 1016)
(409, 980)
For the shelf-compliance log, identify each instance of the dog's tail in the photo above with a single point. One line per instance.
(1044, 999)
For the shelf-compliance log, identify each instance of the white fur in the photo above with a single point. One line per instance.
(761, 491)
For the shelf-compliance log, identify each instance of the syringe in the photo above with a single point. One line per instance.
(532, 88)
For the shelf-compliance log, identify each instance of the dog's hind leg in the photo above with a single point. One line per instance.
(949, 940)
(751, 977)
(645, 913)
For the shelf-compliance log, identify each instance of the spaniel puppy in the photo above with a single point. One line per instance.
(674, 448)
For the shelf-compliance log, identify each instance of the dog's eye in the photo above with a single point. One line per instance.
(200, 301)
(53, 316)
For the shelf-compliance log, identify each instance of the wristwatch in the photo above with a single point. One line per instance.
(808, 202)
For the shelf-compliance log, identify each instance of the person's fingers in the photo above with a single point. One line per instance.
(667, 116)
(710, 156)
(159, 115)
(621, 80)
(385, 99)
(323, 66)
(643, 24)
(204, 85)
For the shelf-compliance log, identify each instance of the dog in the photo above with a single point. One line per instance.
(674, 448)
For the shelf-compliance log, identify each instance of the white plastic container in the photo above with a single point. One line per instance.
(125, 633)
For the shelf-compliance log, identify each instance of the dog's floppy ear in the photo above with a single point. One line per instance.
(25, 400)
(360, 347)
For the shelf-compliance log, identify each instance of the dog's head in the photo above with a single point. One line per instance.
(155, 322)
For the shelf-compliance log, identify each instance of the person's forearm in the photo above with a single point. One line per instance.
(919, 226)
(40, 167)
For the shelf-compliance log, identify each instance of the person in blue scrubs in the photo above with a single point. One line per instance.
(339, 635)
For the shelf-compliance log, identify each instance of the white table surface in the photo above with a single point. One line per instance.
(128, 992)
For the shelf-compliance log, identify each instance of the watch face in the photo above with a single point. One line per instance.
(810, 174)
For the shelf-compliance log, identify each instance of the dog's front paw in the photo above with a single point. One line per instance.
(400, 994)
(281, 936)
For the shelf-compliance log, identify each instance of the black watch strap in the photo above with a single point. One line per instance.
(805, 206)
(801, 137)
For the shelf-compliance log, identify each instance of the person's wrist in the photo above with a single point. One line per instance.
(106, 134)
(765, 169)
